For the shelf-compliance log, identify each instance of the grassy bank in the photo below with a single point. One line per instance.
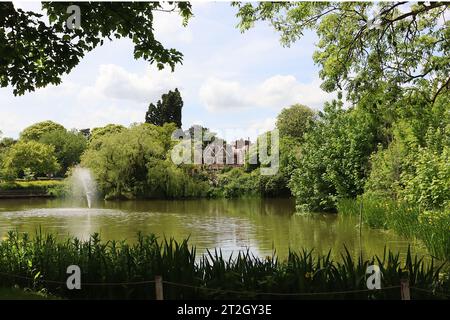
(41, 262)
(431, 227)
(31, 188)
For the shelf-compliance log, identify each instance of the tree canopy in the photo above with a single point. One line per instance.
(391, 60)
(32, 156)
(69, 146)
(65, 146)
(35, 131)
(295, 121)
(34, 53)
(367, 47)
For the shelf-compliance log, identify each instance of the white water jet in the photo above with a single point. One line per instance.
(83, 181)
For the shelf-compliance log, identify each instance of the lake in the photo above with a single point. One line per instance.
(260, 225)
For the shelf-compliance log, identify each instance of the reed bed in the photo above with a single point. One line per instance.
(431, 227)
(40, 263)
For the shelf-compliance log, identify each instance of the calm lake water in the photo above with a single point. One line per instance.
(258, 224)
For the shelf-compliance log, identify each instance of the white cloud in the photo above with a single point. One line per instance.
(223, 95)
(11, 124)
(114, 82)
(66, 88)
(116, 96)
(88, 117)
(28, 6)
(275, 92)
(251, 129)
(265, 125)
(169, 27)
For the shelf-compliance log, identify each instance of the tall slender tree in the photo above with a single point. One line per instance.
(166, 110)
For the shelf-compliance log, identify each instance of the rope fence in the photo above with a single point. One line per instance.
(84, 283)
(277, 293)
(431, 292)
(159, 288)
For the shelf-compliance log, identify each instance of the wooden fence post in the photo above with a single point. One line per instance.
(404, 289)
(159, 288)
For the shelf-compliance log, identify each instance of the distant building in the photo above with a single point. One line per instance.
(240, 148)
(218, 153)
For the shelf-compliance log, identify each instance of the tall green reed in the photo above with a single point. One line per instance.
(36, 261)
(431, 227)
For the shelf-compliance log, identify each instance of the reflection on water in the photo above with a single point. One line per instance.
(258, 224)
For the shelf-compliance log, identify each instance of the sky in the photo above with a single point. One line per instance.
(231, 82)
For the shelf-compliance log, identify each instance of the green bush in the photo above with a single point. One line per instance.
(429, 184)
(334, 159)
(236, 183)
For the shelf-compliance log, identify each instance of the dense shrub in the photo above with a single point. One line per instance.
(413, 169)
(236, 183)
(334, 159)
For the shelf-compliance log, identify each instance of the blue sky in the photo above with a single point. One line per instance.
(233, 83)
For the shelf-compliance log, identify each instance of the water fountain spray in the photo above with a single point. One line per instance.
(82, 179)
